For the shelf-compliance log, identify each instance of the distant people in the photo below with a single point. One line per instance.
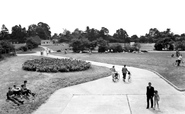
(16, 90)
(115, 74)
(179, 60)
(124, 72)
(149, 94)
(113, 69)
(25, 90)
(65, 51)
(12, 97)
(156, 99)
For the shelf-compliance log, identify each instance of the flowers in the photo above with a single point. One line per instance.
(55, 65)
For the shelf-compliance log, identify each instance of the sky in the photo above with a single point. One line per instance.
(134, 16)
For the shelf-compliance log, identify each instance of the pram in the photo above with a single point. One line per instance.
(115, 76)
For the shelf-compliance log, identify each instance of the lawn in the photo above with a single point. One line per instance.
(43, 84)
(30, 51)
(61, 46)
(161, 62)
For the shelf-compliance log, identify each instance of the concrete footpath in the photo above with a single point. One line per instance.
(102, 96)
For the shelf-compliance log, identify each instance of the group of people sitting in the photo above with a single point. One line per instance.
(16, 94)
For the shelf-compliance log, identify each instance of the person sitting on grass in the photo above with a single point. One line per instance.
(16, 90)
(12, 97)
(25, 90)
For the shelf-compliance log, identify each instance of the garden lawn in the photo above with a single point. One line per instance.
(161, 62)
(43, 84)
(31, 51)
(61, 46)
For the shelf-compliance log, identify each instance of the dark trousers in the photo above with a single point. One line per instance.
(15, 100)
(178, 62)
(124, 76)
(149, 98)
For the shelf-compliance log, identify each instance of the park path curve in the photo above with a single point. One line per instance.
(102, 96)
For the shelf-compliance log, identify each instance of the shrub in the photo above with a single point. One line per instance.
(180, 45)
(31, 43)
(24, 48)
(116, 48)
(58, 50)
(6, 47)
(55, 65)
(79, 44)
(103, 45)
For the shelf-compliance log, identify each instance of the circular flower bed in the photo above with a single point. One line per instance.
(55, 65)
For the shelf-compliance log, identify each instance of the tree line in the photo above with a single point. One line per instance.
(163, 39)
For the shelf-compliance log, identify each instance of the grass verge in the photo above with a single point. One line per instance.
(43, 84)
(161, 62)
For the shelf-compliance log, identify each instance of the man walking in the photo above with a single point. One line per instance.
(124, 71)
(149, 94)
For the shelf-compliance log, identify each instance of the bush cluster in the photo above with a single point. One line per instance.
(128, 48)
(55, 65)
(116, 48)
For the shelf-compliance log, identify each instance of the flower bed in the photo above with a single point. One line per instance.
(55, 65)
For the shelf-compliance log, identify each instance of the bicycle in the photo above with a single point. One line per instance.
(182, 63)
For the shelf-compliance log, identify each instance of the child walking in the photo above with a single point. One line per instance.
(156, 99)
(129, 76)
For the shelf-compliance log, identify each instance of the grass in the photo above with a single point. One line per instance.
(161, 62)
(31, 51)
(43, 84)
(62, 46)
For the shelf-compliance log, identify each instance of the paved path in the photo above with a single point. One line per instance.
(105, 97)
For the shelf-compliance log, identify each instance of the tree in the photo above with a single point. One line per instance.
(134, 38)
(79, 44)
(32, 30)
(91, 34)
(136, 46)
(4, 33)
(164, 43)
(121, 35)
(180, 45)
(31, 43)
(43, 31)
(18, 34)
(104, 32)
(102, 45)
(142, 39)
(6, 47)
(116, 48)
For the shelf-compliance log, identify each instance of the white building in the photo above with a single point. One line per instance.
(46, 42)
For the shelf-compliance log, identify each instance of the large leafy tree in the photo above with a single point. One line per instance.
(104, 32)
(43, 30)
(79, 44)
(18, 34)
(134, 38)
(102, 44)
(4, 33)
(92, 34)
(121, 35)
(32, 30)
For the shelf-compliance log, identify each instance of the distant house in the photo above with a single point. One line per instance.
(46, 42)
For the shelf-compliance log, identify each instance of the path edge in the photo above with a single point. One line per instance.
(179, 89)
